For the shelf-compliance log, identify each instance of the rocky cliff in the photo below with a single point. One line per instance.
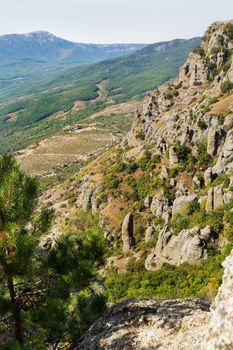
(177, 159)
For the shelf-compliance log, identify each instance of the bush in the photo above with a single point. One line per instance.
(226, 86)
(199, 51)
(229, 31)
(179, 223)
(111, 181)
(193, 207)
(170, 282)
(202, 124)
(203, 158)
(182, 151)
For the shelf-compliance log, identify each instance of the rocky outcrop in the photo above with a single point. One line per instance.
(148, 324)
(150, 231)
(189, 246)
(173, 158)
(208, 176)
(219, 334)
(225, 159)
(216, 198)
(181, 203)
(128, 233)
(160, 208)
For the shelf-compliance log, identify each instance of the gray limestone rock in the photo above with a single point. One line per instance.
(189, 246)
(208, 176)
(173, 158)
(219, 333)
(180, 203)
(149, 234)
(128, 233)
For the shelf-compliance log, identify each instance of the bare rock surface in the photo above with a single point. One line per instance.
(167, 324)
(148, 325)
(181, 203)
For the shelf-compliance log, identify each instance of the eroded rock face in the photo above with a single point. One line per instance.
(189, 246)
(225, 159)
(219, 335)
(149, 234)
(216, 198)
(128, 233)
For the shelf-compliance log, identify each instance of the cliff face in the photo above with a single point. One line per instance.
(219, 333)
(174, 112)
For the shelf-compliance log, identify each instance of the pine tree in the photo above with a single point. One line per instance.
(19, 235)
(52, 293)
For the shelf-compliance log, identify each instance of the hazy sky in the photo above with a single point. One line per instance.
(107, 21)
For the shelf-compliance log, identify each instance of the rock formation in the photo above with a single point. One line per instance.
(219, 333)
(128, 233)
(189, 246)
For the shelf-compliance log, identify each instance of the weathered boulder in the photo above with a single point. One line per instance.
(149, 234)
(173, 158)
(189, 246)
(180, 203)
(208, 176)
(210, 201)
(216, 198)
(148, 201)
(160, 207)
(212, 141)
(164, 173)
(225, 158)
(128, 233)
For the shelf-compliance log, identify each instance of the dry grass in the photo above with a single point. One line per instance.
(61, 149)
(122, 108)
(222, 106)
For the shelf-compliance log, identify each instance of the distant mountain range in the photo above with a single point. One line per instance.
(28, 58)
(41, 47)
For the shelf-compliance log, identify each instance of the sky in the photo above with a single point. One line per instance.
(113, 21)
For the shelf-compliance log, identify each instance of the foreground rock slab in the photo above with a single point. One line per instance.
(149, 325)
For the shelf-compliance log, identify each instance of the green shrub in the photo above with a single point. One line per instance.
(111, 181)
(226, 86)
(179, 223)
(203, 158)
(215, 50)
(202, 124)
(229, 31)
(193, 207)
(199, 51)
(182, 151)
(170, 282)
